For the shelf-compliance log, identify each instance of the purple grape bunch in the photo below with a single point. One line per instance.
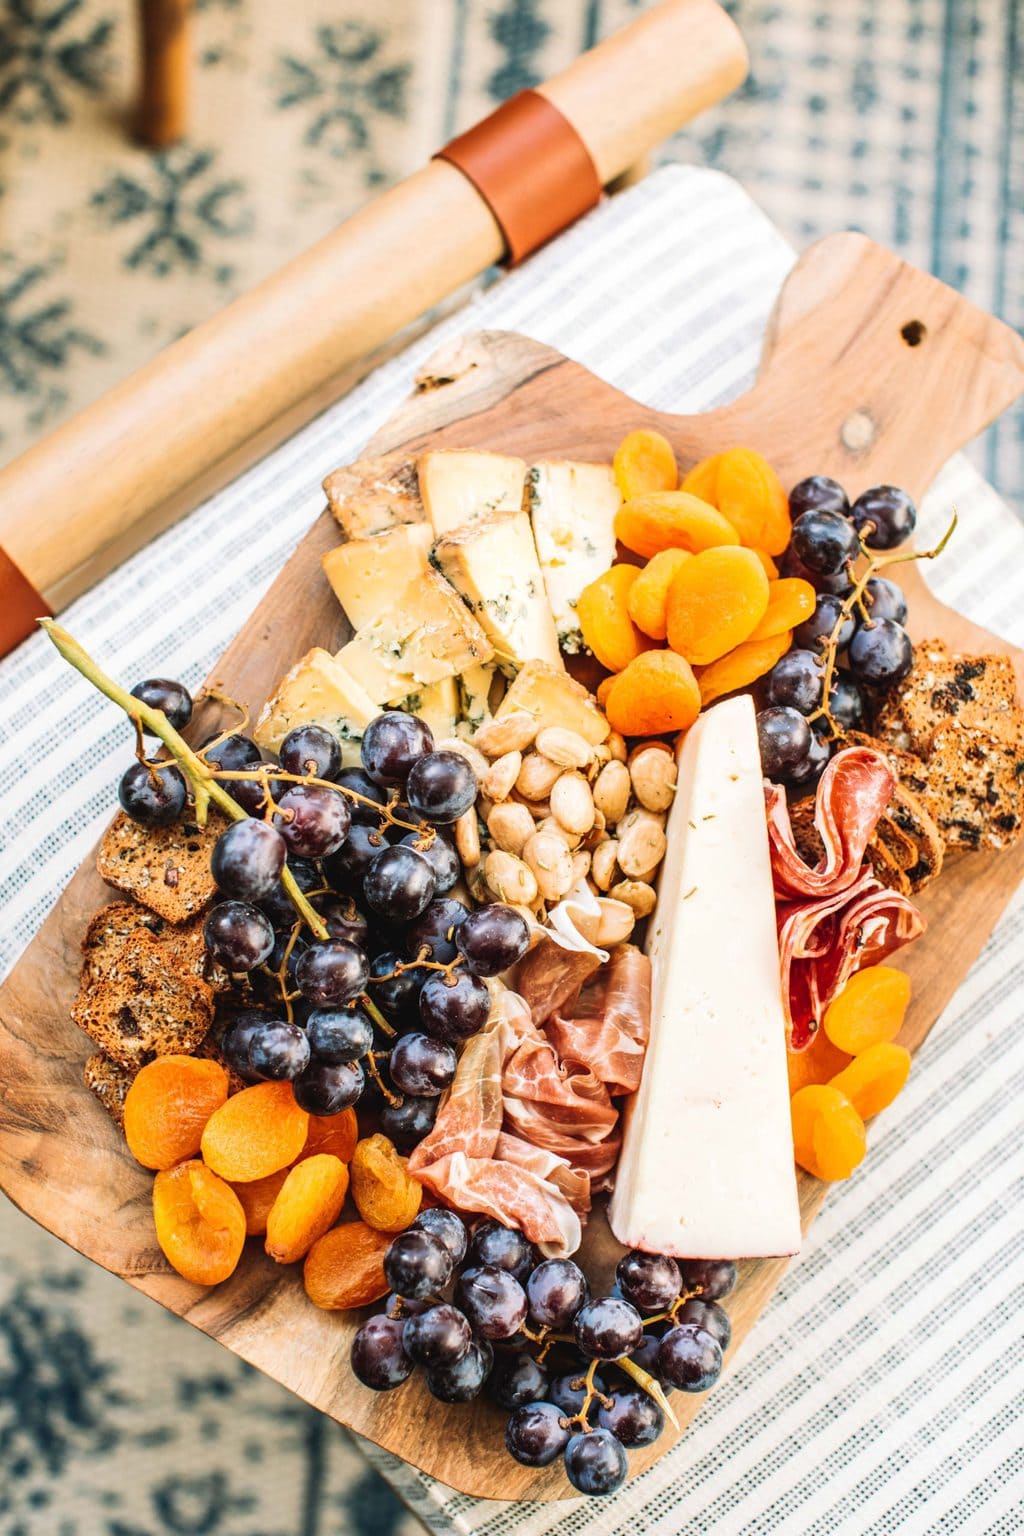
(582, 1378)
(873, 652)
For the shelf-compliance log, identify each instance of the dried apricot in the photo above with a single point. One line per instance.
(387, 1197)
(749, 493)
(671, 520)
(657, 692)
(817, 1064)
(255, 1133)
(336, 1134)
(874, 1078)
(603, 612)
(771, 570)
(604, 688)
(258, 1196)
(167, 1106)
(308, 1204)
(644, 461)
(648, 595)
(200, 1224)
(702, 479)
(790, 601)
(345, 1267)
(715, 602)
(741, 666)
(828, 1133)
(869, 1010)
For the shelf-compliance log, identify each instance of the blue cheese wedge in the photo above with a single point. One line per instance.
(317, 691)
(375, 494)
(552, 697)
(438, 705)
(572, 508)
(368, 574)
(427, 634)
(459, 485)
(493, 564)
(476, 689)
(706, 1169)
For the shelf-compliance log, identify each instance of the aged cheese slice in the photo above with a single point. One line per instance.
(427, 635)
(374, 494)
(706, 1169)
(438, 705)
(573, 509)
(493, 563)
(368, 574)
(476, 686)
(317, 691)
(459, 485)
(554, 698)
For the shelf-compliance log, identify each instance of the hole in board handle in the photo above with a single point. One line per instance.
(914, 332)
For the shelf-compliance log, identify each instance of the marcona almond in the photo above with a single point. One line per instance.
(467, 837)
(611, 791)
(466, 749)
(580, 866)
(617, 922)
(616, 745)
(499, 780)
(551, 862)
(604, 863)
(638, 816)
(654, 745)
(477, 886)
(564, 747)
(510, 824)
(509, 878)
(572, 804)
(549, 824)
(512, 733)
(636, 894)
(597, 831)
(536, 776)
(641, 849)
(654, 775)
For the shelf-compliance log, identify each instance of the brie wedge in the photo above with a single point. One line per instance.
(428, 634)
(374, 494)
(459, 485)
(317, 691)
(367, 575)
(573, 509)
(493, 563)
(706, 1169)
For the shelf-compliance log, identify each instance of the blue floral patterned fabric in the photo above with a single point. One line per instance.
(905, 119)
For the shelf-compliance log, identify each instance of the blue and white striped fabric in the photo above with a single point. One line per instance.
(881, 1391)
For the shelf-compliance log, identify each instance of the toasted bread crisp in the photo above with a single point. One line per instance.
(166, 868)
(110, 1082)
(375, 494)
(978, 691)
(975, 787)
(183, 943)
(136, 1003)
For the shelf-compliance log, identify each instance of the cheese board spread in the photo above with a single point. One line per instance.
(572, 874)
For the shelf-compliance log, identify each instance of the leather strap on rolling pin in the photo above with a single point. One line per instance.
(20, 605)
(531, 168)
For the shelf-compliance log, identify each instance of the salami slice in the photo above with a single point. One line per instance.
(852, 794)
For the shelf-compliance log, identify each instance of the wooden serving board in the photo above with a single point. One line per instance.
(872, 372)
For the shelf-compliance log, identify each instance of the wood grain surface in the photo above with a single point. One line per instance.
(841, 391)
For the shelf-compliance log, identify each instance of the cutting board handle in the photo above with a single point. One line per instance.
(873, 368)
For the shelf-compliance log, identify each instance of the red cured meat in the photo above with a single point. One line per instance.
(852, 794)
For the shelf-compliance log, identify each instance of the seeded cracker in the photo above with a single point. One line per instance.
(136, 1005)
(110, 1082)
(978, 691)
(975, 787)
(166, 868)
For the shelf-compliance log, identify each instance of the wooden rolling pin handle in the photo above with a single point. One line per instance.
(532, 170)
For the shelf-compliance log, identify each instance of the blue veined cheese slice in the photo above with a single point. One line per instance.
(572, 507)
(493, 564)
(476, 690)
(458, 485)
(367, 575)
(438, 705)
(317, 691)
(374, 494)
(706, 1169)
(426, 635)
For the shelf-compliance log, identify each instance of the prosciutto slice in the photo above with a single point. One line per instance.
(852, 794)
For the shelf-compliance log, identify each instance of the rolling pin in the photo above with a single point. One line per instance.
(88, 494)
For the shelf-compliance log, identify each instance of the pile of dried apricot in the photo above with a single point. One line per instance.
(710, 587)
(850, 1072)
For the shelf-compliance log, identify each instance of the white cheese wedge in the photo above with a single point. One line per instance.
(367, 575)
(317, 691)
(706, 1169)
(493, 563)
(427, 635)
(554, 698)
(438, 705)
(459, 485)
(374, 494)
(572, 507)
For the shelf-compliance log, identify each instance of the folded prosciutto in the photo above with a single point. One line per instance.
(529, 1130)
(834, 917)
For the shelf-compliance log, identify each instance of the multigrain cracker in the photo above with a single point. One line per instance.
(975, 787)
(110, 1082)
(135, 1005)
(166, 868)
(978, 691)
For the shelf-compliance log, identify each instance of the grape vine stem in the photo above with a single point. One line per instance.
(201, 778)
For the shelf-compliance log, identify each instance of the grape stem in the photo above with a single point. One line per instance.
(669, 1315)
(855, 599)
(375, 1014)
(651, 1385)
(201, 778)
(370, 1060)
(388, 818)
(582, 1418)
